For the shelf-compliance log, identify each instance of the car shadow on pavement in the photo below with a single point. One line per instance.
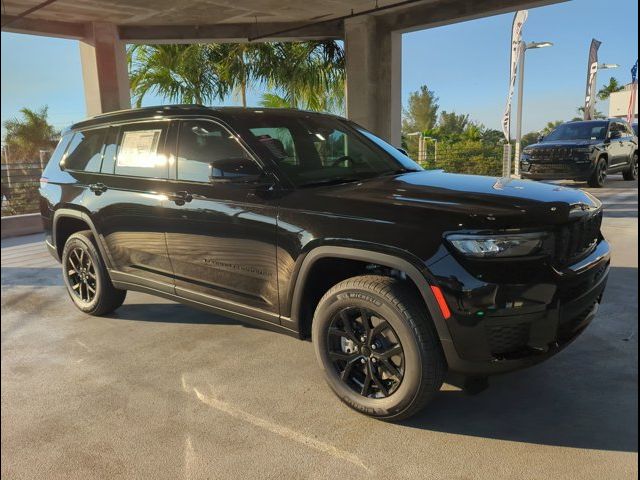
(173, 313)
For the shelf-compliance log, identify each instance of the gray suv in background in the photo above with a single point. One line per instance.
(585, 151)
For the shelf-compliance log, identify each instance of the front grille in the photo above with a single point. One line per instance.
(555, 154)
(577, 239)
(508, 338)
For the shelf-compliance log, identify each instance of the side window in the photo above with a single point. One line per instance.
(110, 150)
(140, 151)
(54, 162)
(85, 151)
(200, 145)
(279, 141)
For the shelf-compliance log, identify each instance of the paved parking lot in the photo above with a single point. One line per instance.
(159, 390)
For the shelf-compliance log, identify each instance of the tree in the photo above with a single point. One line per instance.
(180, 73)
(421, 113)
(451, 123)
(308, 75)
(529, 139)
(492, 136)
(26, 136)
(611, 87)
(597, 115)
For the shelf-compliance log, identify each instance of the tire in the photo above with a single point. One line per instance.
(86, 276)
(419, 368)
(599, 175)
(632, 172)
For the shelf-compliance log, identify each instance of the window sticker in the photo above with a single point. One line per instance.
(138, 149)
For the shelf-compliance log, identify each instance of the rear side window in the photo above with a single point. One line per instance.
(140, 151)
(85, 151)
(57, 155)
(201, 143)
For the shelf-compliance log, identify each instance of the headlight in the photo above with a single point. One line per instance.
(488, 246)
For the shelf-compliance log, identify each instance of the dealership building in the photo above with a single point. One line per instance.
(619, 103)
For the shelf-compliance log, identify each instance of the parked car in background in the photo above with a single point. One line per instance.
(584, 151)
(310, 225)
(635, 129)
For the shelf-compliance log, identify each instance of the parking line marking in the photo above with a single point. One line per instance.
(280, 430)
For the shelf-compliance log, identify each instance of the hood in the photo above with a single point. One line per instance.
(482, 201)
(564, 144)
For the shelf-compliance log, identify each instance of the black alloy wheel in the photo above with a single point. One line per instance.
(86, 276)
(81, 274)
(366, 352)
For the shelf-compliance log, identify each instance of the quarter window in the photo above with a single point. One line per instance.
(201, 145)
(85, 151)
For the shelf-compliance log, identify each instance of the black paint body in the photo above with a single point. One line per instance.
(247, 250)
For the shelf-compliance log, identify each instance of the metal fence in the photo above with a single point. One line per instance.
(20, 182)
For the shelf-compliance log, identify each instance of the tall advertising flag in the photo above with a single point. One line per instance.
(631, 111)
(516, 50)
(592, 70)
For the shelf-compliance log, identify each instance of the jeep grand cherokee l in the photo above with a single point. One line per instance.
(310, 225)
(586, 151)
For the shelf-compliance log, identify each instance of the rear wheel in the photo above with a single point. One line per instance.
(86, 276)
(378, 347)
(599, 175)
(631, 173)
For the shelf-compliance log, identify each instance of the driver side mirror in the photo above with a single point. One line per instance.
(403, 151)
(540, 138)
(235, 170)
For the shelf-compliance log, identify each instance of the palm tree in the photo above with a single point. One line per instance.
(307, 75)
(611, 87)
(550, 127)
(25, 137)
(180, 73)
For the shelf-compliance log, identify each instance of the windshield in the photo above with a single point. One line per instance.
(313, 149)
(578, 131)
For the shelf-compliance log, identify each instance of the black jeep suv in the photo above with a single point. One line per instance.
(310, 225)
(583, 150)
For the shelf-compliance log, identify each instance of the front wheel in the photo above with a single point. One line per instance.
(378, 347)
(86, 276)
(599, 175)
(631, 173)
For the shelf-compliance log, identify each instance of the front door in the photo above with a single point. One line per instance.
(221, 235)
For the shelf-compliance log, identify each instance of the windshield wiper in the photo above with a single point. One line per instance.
(329, 181)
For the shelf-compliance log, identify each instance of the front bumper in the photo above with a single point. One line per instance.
(556, 171)
(496, 328)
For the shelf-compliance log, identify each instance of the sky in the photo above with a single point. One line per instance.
(466, 64)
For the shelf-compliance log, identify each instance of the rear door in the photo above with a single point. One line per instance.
(617, 146)
(221, 236)
(126, 202)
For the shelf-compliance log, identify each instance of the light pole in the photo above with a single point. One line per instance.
(601, 66)
(523, 48)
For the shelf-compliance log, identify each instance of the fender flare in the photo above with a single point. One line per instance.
(83, 216)
(369, 256)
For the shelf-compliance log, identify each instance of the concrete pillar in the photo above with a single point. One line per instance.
(374, 69)
(104, 70)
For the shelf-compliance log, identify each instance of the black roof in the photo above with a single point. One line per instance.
(133, 114)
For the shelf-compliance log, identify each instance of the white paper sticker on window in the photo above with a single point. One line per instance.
(139, 149)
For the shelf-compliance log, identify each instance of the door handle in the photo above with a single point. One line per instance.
(98, 188)
(180, 198)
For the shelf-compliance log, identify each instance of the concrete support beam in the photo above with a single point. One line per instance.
(104, 70)
(373, 58)
(444, 12)
(229, 32)
(48, 28)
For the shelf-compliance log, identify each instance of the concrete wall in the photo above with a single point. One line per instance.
(619, 104)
